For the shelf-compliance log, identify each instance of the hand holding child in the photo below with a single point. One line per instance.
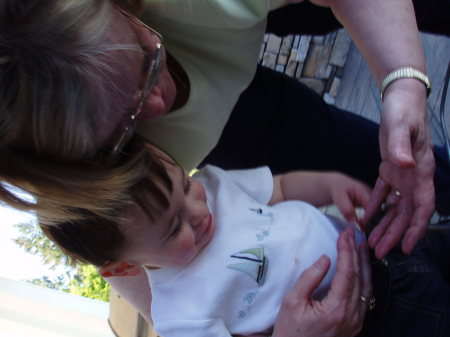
(341, 313)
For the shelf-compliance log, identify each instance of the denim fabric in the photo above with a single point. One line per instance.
(412, 292)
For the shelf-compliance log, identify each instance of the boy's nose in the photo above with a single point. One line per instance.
(197, 215)
(198, 191)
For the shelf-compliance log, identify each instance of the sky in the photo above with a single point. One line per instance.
(15, 263)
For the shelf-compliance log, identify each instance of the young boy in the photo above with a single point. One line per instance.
(220, 249)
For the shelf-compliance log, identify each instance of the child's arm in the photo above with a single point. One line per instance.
(321, 189)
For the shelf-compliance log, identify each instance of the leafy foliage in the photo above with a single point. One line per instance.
(82, 280)
(92, 285)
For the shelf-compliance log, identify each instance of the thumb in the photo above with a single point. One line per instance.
(310, 279)
(399, 147)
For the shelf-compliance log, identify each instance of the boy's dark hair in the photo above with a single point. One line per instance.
(97, 240)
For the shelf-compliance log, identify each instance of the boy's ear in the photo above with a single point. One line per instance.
(120, 268)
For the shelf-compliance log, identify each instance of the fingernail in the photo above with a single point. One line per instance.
(322, 261)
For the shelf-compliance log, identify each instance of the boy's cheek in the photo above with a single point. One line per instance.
(185, 253)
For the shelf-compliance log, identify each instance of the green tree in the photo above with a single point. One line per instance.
(81, 280)
(92, 285)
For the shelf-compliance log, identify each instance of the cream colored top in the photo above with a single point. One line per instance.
(217, 42)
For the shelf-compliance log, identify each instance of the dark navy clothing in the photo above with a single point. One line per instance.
(281, 123)
(412, 291)
(433, 16)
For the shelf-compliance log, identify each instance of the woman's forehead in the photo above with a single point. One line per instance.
(125, 61)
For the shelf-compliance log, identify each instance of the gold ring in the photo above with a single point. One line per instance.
(370, 302)
(397, 193)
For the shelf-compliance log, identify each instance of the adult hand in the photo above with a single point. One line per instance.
(341, 312)
(407, 166)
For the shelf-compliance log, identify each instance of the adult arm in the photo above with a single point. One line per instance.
(386, 33)
(321, 189)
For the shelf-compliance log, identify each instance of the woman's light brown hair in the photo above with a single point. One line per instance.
(54, 82)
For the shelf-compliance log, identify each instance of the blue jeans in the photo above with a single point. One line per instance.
(412, 292)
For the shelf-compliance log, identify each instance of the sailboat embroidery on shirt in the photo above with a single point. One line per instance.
(255, 264)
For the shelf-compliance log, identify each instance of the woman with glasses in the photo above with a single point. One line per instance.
(75, 77)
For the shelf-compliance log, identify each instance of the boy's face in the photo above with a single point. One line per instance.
(178, 234)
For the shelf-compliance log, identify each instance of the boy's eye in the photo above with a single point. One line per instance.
(178, 227)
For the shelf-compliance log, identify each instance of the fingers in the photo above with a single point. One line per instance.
(347, 209)
(398, 222)
(420, 219)
(310, 279)
(417, 229)
(365, 284)
(379, 194)
(380, 228)
(358, 196)
(366, 270)
(351, 277)
(356, 289)
(343, 282)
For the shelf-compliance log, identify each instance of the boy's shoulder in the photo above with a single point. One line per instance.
(256, 183)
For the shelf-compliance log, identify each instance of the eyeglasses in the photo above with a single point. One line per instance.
(153, 67)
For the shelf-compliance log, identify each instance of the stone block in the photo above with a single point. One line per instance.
(296, 41)
(309, 70)
(269, 60)
(330, 38)
(335, 86)
(282, 59)
(303, 48)
(273, 44)
(317, 61)
(286, 45)
(322, 62)
(279, 68)
(318, 39)
(291, 67)
(329, 99)
(299, 71)
(340, 49)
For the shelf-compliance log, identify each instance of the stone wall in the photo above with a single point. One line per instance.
(316, 61)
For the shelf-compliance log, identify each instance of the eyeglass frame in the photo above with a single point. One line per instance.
(151, 77)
